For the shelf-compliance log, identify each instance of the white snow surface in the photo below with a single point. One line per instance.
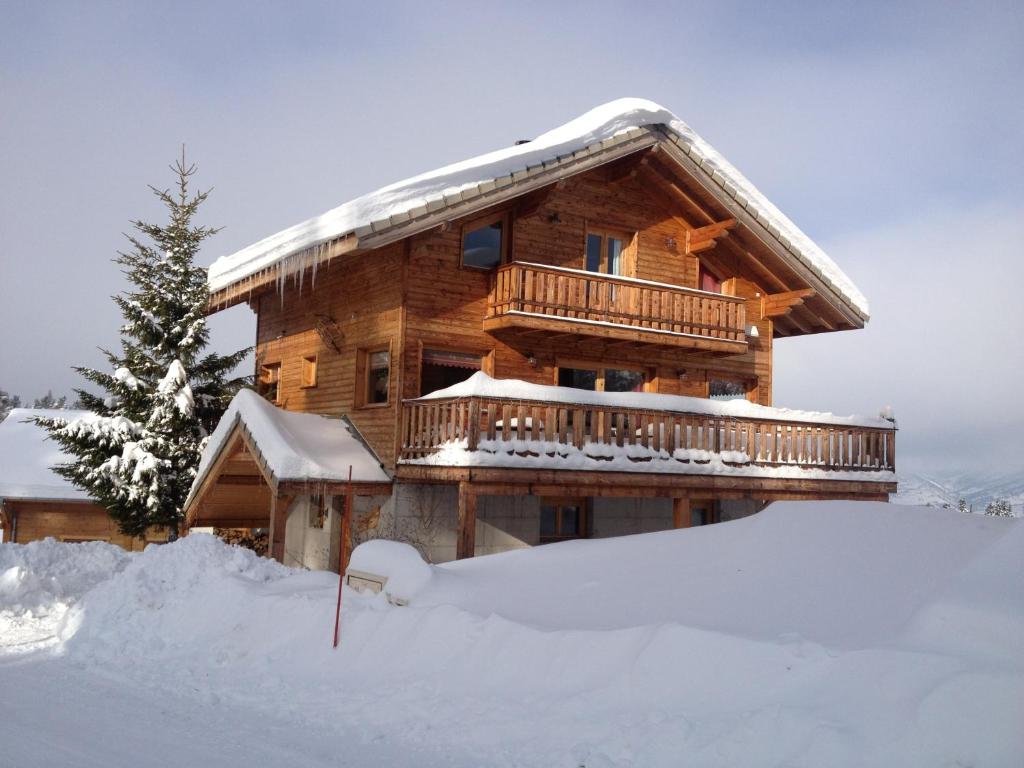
(811, 634)
(406, 572)
(295, 446)
(27, 455)
(597, 125)
(482, 385)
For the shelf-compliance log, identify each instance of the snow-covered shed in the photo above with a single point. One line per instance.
(36, 502)
(264, 466)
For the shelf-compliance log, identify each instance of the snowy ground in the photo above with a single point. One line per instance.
(813, 634)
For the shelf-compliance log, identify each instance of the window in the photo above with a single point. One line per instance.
(606, 252)
(582, 376)
(373, 376)
(727, 389)
(441, 368)
(702, 513)
(270, 382)
(709, 281)
(317, 510)
(484, 242)
(562, 519)
(309, 366)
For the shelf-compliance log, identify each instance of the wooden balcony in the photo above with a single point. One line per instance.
(491, 431)
(534, 298)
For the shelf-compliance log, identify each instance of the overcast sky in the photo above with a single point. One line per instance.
(894, 136)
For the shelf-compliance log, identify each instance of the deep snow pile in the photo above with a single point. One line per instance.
(811, 634)
(41, 580)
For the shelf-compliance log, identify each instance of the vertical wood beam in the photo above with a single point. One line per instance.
(466, 543)
(278, 520)
(681, 513)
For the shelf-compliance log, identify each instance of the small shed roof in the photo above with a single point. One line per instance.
(293, 447)
(27, 457)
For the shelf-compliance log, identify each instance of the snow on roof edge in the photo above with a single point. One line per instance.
(600, 124)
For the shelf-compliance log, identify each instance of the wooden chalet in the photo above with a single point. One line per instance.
(570, 337)
(36, 503)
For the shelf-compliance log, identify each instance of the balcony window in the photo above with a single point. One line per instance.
(442, 368)
(606, 252)
(484, 242)
(709, 281)
(727, 389)
(599, 379)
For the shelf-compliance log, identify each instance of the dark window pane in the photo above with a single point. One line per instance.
(443, 369)
(548, 521)
(725, 389)
(593, 253)
(378, 376)
(481, 247)
(570, 521)
(623, 381)
(580, 378)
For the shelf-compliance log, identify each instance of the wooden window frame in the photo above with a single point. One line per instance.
(629, 248)
(265, 381)
(309, 363)
(363, 376)
(586, 513)
(600, 369)
(486, 359)
(482, 221)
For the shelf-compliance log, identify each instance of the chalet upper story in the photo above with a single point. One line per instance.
(618, 252)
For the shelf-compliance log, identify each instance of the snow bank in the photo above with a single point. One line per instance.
(836, 634)
(599, 124)
(406, 571)
(41, 580)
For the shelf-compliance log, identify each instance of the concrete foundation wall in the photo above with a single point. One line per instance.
(426, 516)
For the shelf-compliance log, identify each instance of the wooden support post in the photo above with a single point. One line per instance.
(278, 519)
(466, 543)
(681, 513)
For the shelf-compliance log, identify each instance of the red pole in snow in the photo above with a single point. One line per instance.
(346, 518)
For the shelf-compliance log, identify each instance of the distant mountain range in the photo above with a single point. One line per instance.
(947, 488)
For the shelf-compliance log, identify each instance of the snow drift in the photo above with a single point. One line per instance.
(811, 634)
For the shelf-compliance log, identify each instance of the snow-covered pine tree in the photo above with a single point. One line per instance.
(999, 508)
(8, 403)
(138, 454)
(49, 401)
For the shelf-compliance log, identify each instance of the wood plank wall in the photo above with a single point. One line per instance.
(73, 521)
(414, 295)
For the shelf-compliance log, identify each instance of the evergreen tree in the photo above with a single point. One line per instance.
(138, 454)
(962, 505)
(49, 401)
(8, 403)
(999, 508)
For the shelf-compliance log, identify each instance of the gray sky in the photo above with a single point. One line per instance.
(891, 135)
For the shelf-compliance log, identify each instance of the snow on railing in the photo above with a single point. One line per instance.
(516, 427)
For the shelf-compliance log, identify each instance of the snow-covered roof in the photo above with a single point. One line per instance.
(482, 385)
(294, 446)
(435, 190)
(27, 456)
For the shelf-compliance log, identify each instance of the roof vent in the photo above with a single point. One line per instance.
(523, 141)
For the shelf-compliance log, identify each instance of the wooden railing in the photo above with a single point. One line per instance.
(527, 428)
(569, 293)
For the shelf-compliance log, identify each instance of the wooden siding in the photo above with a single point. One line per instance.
(70, 521)
(445, 303)
(354, 304)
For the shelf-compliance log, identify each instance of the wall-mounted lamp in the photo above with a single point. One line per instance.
(531, 360)
(554, 218)
(670, 243)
